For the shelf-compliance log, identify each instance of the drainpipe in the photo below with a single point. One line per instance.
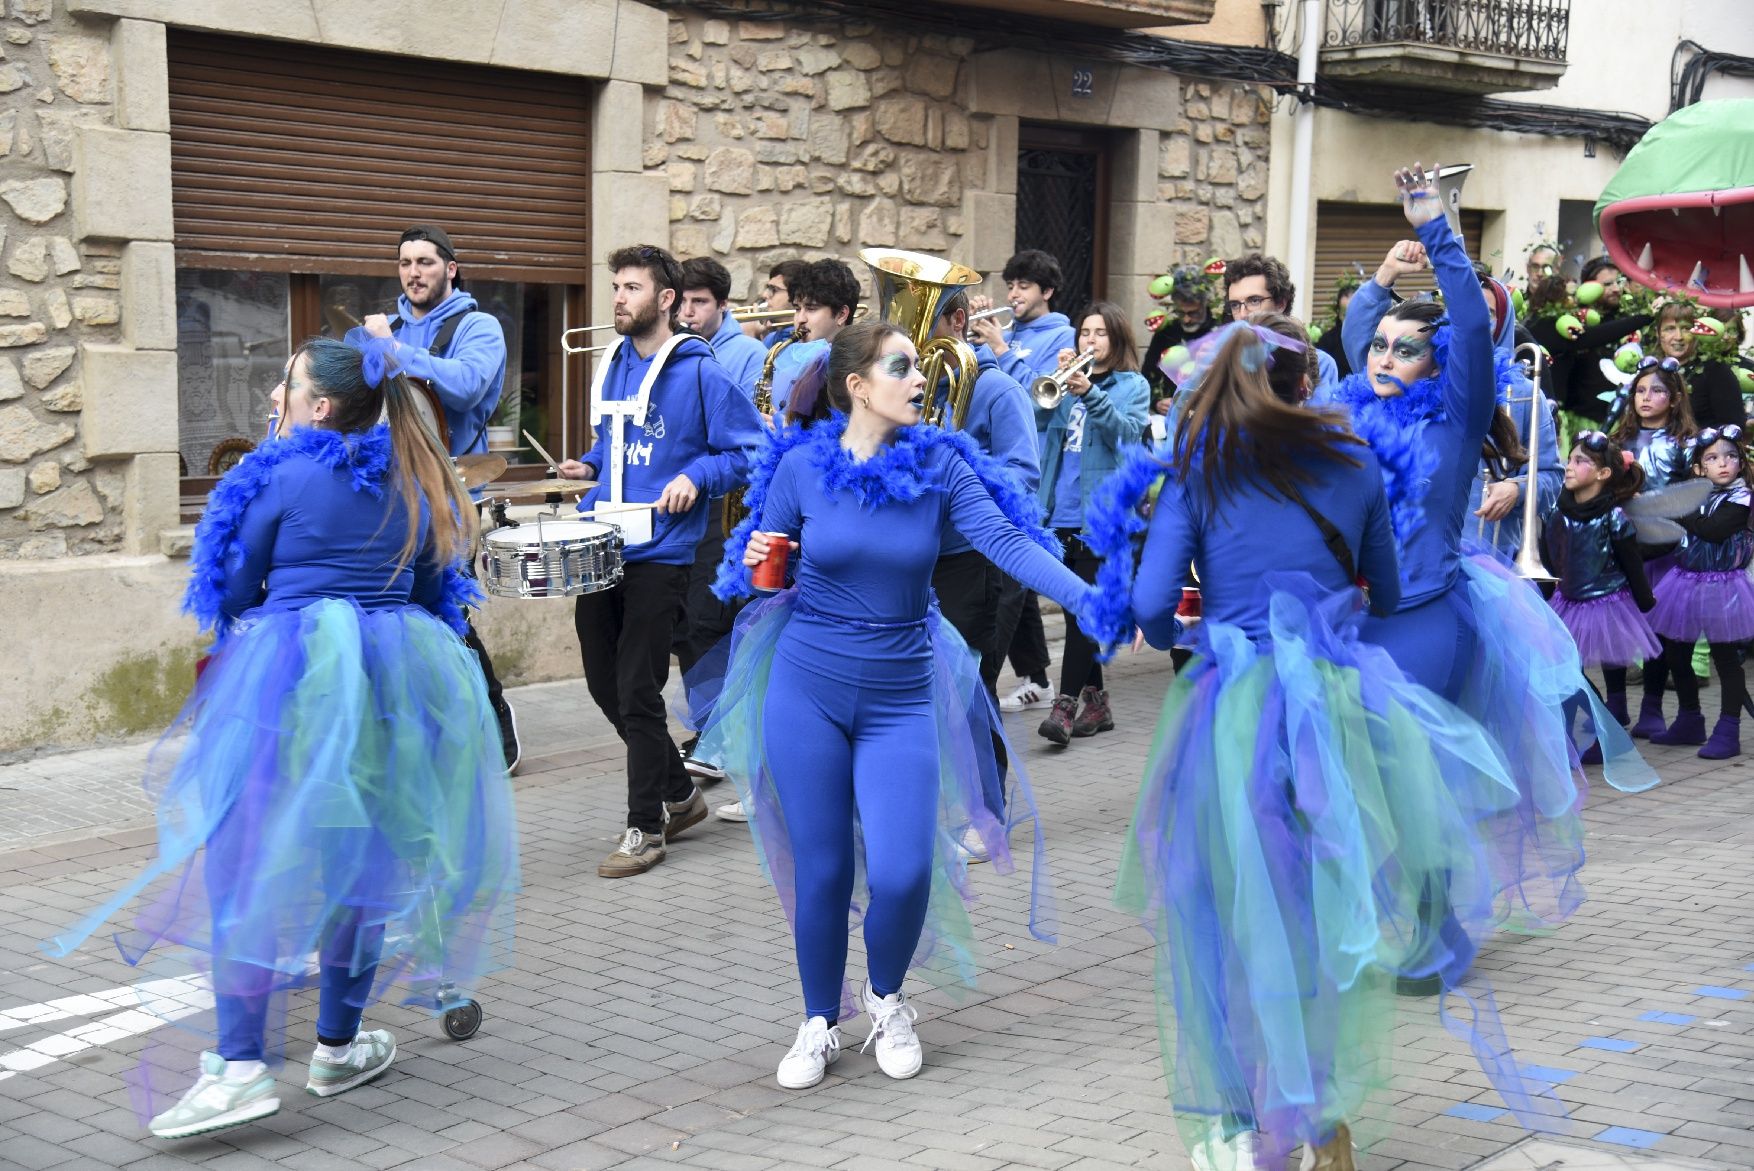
(1303, 148)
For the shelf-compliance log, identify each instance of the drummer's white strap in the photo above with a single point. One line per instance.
(620, 411)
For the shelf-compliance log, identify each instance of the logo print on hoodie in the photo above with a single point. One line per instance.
(640, 454)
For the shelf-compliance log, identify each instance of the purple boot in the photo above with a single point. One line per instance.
(1615, 702)
(1726, 739)
(1650, 719)
(1688, 728)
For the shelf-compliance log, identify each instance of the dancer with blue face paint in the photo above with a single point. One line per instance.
(1425, 398)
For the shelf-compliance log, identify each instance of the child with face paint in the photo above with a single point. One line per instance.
(1590, 543)
(852, 718)
(1652, 419)
(1708, 595)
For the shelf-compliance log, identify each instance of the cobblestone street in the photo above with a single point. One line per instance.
(644, 1018)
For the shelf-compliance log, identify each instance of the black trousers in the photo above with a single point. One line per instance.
(624, 639)
(705, 619)
(967, 586)
(495, 693)
(1019, 635)
(1078, 666)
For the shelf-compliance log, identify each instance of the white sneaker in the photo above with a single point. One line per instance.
(973, 849)
(808, 1059)
(1027, 697)
(368, 1057)
(217, 1102)
(1241, 1153)
(892, 1030)
(732, 812)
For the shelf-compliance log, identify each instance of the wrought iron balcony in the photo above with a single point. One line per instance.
(1470, 46)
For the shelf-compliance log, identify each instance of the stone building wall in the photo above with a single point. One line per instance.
(56, 292)
(780, 142)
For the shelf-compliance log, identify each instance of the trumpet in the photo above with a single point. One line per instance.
(1528, 558)
(1049, 389)
(760, 312)
(987, 314)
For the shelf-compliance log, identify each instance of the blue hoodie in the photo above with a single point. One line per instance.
(1001, 420)
(740, 354)
(699, 424)
(1035, 346)
(470, 376)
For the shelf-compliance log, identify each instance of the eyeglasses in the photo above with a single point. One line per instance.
(1666, 364)
(1596, 441)
(772, 290)
(1248, 305)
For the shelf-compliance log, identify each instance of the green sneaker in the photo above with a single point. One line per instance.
(213, 1103)
(371, 1055)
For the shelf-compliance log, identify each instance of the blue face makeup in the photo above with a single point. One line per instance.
(1410, 347)
(898, 365)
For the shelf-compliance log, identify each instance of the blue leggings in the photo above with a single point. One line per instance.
(835, 748)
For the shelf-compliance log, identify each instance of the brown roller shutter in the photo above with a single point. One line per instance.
(1363, 233)
(302, 158)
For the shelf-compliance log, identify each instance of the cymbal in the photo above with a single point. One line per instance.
(476, 470)
(536, 489)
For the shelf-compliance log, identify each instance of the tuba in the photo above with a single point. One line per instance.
(911, 289)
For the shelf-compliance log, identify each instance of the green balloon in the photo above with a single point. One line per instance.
(1569, 325)
(1315, 334)
(1175, 357)
(1592, 318)
(1589, 292)
(1517, 301)
(1627, 357)
(1161, 286)
(1744, 379)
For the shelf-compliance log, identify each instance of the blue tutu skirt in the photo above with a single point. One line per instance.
(1718, 607)
(1302, 803)
(1609, 631)
(332, 765)
(729, 692)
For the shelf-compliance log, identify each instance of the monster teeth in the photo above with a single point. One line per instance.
(1697, 280)
(1747, 276)
(1646, 259)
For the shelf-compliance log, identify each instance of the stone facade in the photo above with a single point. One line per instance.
(59, 292)
(777, 141)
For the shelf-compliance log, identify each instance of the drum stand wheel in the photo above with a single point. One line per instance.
(462, 1020)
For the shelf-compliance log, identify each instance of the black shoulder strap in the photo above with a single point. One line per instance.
(1331, 536)
(447, 330)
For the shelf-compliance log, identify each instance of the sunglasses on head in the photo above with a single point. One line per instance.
(1596, 441)
(1668, 364)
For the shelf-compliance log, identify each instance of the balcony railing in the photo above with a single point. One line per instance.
(1474, 45)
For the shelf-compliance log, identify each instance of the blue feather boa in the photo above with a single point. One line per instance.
(1394, 428)
(898, 473)
(369, 458)
(1112, 521)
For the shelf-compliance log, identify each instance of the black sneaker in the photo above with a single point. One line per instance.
(508, 735)
(703, 771)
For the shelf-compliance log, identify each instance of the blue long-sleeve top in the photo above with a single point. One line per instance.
(865, 570)
(1507, 535)
(1467, 386)
(741, 355)
(699, 424)
(1117, 409)
(1001, 421)
(468, 378)
(1238, 542)
(311, 532)
(1033, 347)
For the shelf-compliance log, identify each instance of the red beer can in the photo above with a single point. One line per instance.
(770, 575)
(1190, 603)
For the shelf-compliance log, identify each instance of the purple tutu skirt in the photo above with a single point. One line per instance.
(1716, 606)
(1610, 631)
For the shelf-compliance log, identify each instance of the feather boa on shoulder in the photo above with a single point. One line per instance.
(898, 473)
(369, 457)
(1111, 523)
(1394, 428)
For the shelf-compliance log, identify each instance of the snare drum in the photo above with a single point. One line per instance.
(544, 558)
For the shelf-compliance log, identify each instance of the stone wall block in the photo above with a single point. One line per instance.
(932, 75)
(58, 309)
(1012, 82)
(43, 366)
(137, 49)
(1142, 237)
(22, 436)
(35, 200)
(902, 120)
(1135, 162)
(150, 501)
(121, 184)
(14, 303)
(878, 223)
(74, 506)
(827, 140)
(923, 229)
(1175, 157)
(81, 65)
(731, 170)
(758, 227)
(149, 296)
(931, 179)
(761, 30)
(44, 478)
(861, 56)
(807, 222)
(617, 128)
(847, 90)
(12, 481)
(992, 229)
(631, 209)
(11, 385)
(97, 310)
(23, 335)
(130, 400)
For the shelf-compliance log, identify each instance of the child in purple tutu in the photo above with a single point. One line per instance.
(1653, 419)
(1708, 595)
(1590, 543)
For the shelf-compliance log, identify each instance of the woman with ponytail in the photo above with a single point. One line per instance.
(334, 787)
(1302, 793)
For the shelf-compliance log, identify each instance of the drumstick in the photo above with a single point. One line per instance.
(617, 506)
(541, 451)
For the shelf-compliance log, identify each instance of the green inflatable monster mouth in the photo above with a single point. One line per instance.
(1679, 213)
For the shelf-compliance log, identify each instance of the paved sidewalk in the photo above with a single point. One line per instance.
(644, 1019)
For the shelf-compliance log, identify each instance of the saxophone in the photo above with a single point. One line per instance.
(733, 510)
